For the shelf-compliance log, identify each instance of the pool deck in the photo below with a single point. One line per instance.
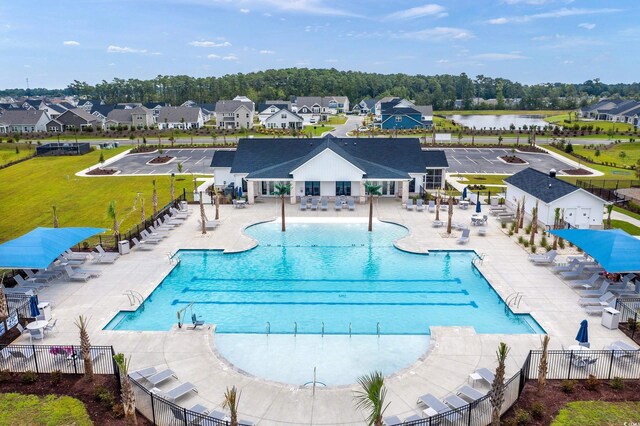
(454, 352)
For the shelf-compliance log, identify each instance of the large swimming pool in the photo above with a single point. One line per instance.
(331, 279)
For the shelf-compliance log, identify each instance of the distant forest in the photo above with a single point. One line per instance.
(441, 91)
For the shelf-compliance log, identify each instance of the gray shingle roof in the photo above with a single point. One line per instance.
(223, 158)
(119, 115)
(434, 159)
(379, 158)
(231, 106)
(424, 109)
(540, 185)
(278, 104)
(21, 117)
(176, 114)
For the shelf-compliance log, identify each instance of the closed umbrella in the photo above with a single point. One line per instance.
(583, 333)
(33, 306)
(464, 193)
(239, 192)
(478, 207)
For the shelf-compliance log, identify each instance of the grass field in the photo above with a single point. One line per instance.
(609, 172)
(337, 119)
(30, 188)
(625, 226)
(611, 153)
(598, 413)
(8, 152)
(317, 129)
(483, 179)
(604, 125)
(545, 112)
(18, 409)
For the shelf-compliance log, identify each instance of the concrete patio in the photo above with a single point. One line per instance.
(454, 352)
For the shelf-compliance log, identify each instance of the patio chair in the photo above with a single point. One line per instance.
(497, 209)
(469, 393)
(76, 276)
(594, 310)
(196, 322)
(338, 205)
(420, 205)
(454, 401)
(568, 266)
(177, 392)
(444, 206)
(604, 300)
(303, 203)
(314, 204)
(595, 293)
(51, 326)
(93, 273)
(170, 221)
(589, 282)
(141, 245)
(436, 405)
(178, 214)
(437, 224)
(576, 273)
(161, 376)
(542, 259)
(464, 238)
(37, 334)
(189, 419)
(391, 421)
(619, 344)
(143, 373)
(624, 281)
(71, 255)
(482, 231)
(410, 204)
(104, 257)
(35, 278)
(150, 238)
(22, 354)
(163, 233)
(351, 204)
(21, 283)
(165, 225)
(21, 329)
(486, 374)
(324, 203)
(432, 206)
(412, 418)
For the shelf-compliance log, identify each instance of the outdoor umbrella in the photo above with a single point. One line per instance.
(33, 306)
(478, 207)
(464, 193)
(583, 333)
(239, 192)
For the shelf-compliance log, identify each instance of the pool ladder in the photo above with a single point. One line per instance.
(173, 259)
(134, 298)
(513, 299)
(478, 258)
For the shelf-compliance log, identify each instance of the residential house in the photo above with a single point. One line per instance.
(155, 107)
(384, 100)
(268, 108)
(365, 106)
(20, 120)
(581, 208)
(234, 114)
(33, 104)
(330, 166)
(208, 111)
(54, 110)
(599, 110)
(181, 117)
(317, 108)
(632, 116)
(284, 119)
(88, 104)
(402, 114)
(102, 111)
(617, 114)
(136, 118)
(74, 119)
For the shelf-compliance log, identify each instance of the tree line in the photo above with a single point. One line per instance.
(441, 91)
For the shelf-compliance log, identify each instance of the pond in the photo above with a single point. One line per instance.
(480, 121)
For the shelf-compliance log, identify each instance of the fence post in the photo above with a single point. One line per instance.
(610, 366)
(35, 357)
(153, 408)
(469, 419)
(635, 319)
(75, 360)
(570, 363)
(184, 414)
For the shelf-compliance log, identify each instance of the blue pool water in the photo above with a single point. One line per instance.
(334, 278)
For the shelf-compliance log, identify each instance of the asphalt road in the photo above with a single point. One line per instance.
(193, 161)
(485, 160)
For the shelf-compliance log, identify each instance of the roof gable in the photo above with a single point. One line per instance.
(540, 185)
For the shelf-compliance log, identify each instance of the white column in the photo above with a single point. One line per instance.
(293, 192)
(250, 192)
(363, 195)
(405, 191)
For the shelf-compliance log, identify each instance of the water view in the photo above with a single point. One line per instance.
(498, 121)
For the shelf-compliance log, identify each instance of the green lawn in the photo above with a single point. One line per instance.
(627, 227)
(545, 112)
(8, 152)
(628, 213)
(30, 188)
(337, 119)
(317, 129)
(483, 179)
(52, 410)
(609, 172)
(610, 153)
(598, 413)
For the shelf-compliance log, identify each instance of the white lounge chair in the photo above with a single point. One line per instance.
(314, 204)
(432, 206)
(161, 376)
(436, 405)
(619, 344)
(21, 283)
(482, 231)
(94, 273)
(470, 393)
(143, 373)
(576, 273)
(420, 205)
(588, 283)
(464, 238)
(150, 238)
(351, 204)
(22, 354)
(35, 278)
(437, 224)
(338, 205)
(71, 255)
(324, 203)
(141, 245)
(177, 392)
(51, 326)
(568, 266)
(76, 276)
(486, 374)
(543, 259)
(178, 214)
(454, 401)
(604, 300)
(104, 257)
(303, 203)
(410, 204)
(595, 293)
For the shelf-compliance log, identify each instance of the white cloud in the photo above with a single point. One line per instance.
(209, 44)
(587, 26)
(71, 43)
(243, 10)
(498, 56)
(267, 14)
(567, 62)
(559, 13)
(419, 12)
(533, 2)
(267, 52)
(121, 49)
(308, 7)
(443, 61)
(231, 57)
(212, 56)
(331, 61)
(438, 33)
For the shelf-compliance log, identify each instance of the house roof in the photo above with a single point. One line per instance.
(56, 108)
(66, 104)
(231, 106)
(400, 111)
(103, 109)
(278, 104)
(83, 114)
(379, 158)
(152, 105)
(223, 158)
(435, 159)
(632, 112)
(34, 102)
(288, 111)
(176, 114)
(308, 101)
(424, 109)
(21, 117)
(370, 103)
(120, 115)
(208, 107)
(624, 107)
(540, 185)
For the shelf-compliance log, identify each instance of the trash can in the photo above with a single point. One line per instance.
(610, 318)
(45, 309)
(184, 206)
(123, 247)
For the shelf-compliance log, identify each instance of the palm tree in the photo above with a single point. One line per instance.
(231, 401)
(543, 366)
(55, 216)
(371, 398)
(172, 186)
(215, 191)
(4, 307)
(609, 210)
(112, 213)
(85, 347)
(282, 190)
(127, 395)
(517, 221)
(438, 205)
(521, 224)
(534, 224)
(154, 199)
(372, 190)
(497, 387)
(556, 225)
(451, 212)
(203, 216)
(143, 216)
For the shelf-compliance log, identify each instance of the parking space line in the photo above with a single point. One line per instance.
(151, 172)
(456, 160)
(472, 160)
(187, 171)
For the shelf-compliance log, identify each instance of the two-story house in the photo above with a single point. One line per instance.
(181, 117)
(234, 114)
(19, 121)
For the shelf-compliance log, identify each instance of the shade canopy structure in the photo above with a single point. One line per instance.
(40, 247)
(583, 332)
(614, 249)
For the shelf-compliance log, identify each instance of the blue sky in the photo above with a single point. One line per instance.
(531, 41)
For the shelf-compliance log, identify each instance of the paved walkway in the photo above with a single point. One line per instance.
(454, 351)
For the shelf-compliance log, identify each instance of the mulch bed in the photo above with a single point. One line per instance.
(553, 398)
(531, 148)
(512, 159)
(101, 172)
(624, 327)
(161, 159)
(577, 172)
(74, 386)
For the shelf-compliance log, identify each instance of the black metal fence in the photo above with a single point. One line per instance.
(19, 303)
(63, 148)
(629, 308)
(579, 365)
(608, 189)
(50, 358)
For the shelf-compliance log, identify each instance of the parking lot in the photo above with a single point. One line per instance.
(485, 160)
(196, 161)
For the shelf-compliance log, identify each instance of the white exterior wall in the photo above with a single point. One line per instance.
(327, 166)
(328, 188)
(299, 189)
(275, 121)
(355, 188)
(222, 176)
